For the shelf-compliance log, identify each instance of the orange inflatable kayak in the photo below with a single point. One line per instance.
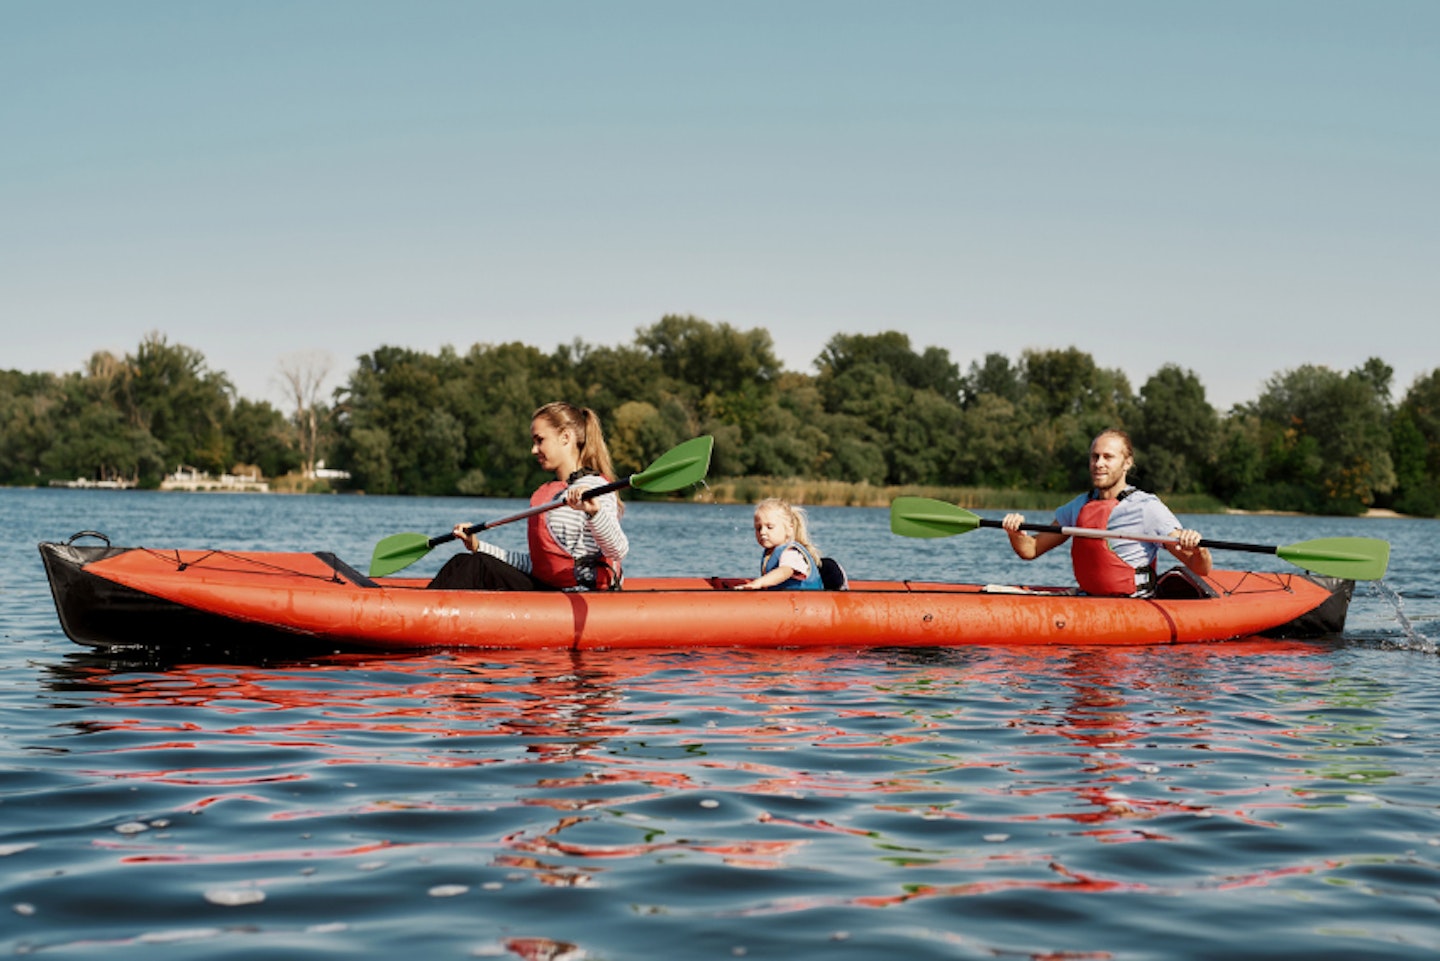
(278, 603)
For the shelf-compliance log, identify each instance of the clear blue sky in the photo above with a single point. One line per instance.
(1235, 187)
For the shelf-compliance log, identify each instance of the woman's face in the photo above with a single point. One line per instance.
(772, 529)
(548, 444)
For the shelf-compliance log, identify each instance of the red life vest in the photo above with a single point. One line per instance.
(1098, 569)
(551, 562)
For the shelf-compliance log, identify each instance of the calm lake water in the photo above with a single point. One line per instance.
(1253, 799)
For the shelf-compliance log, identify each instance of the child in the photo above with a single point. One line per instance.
(791, 562)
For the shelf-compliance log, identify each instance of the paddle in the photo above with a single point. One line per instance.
(1353, 558)
(676, 468)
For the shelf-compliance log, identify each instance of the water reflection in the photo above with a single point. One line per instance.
(743, 784)
(1101, 738)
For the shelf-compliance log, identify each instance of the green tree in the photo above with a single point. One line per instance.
(790, 440)
(709, 361)
(260, 435)
(910, 400)
(382, 409)
(1415, 440)
(27, 405)
(169, 392)
(1240, 456)
(639, 432)
(368, 460)
(449, 421)
(95, 439)
(993, 431)
(1326, 437)
(498, 388)
(1416, 491)
(1175, 431)
(891, 351)
(1422, 404)
(812, 452)
(607, 377)
(725, 378)
(1068, 400)
(994, 377)
(1053, 452)
(396, 402)
(1068, 382)
(857, 451)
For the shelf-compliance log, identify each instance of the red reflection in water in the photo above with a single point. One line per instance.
(1078, 883)
(1072, 883)
(544, 949)
(1110, 716)
(241, 857)
(754, 854)
(597, 709)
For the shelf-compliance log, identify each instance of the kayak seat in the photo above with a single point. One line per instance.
(1180, 584)
(832, 575)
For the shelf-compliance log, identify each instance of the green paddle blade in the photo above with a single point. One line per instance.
(397, 552)
(1353, 558)
(926, 517)
(676, 468)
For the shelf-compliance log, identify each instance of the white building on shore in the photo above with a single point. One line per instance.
(189, 479)
(85, 483)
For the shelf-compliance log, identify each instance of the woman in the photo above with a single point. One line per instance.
(578, 546)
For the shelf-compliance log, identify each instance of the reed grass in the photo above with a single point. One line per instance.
(831, 493)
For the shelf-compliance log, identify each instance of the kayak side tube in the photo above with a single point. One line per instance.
(1324, 620)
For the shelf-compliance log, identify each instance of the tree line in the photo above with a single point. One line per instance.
(875, 411)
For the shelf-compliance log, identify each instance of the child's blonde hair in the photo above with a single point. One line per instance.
(797, 517)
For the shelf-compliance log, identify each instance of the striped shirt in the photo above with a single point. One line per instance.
(576, 531)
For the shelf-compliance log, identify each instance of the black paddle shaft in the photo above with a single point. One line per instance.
(1209, 544)
(537, 509)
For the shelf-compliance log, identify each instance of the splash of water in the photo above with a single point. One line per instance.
(1414, 640)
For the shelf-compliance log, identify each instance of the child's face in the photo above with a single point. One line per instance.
(772, 528)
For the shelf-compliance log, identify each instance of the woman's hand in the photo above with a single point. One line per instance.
(575, 497)
(471, 542)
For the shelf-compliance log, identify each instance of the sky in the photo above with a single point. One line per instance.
(1236, 187)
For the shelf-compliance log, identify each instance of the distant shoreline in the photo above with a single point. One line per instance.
(750, 490)
(1380, 512)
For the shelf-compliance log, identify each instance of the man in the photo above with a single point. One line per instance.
(1113, 566)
